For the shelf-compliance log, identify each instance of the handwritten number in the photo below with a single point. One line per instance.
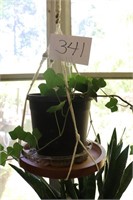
(74, 48)
(82, 49)
(64, 47)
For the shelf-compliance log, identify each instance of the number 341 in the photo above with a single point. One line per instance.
(74, 47)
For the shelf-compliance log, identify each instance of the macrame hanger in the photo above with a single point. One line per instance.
(57, 28)
(45, 55)
(64, 66)
(58, 17)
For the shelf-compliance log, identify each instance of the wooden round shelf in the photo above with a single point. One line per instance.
(83, 169)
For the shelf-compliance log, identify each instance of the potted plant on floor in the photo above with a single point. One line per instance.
(111, 180)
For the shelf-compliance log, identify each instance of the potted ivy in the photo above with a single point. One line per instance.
(66, 95)
(51, 115)
(60, 116)
(78, 88)
(52, 111)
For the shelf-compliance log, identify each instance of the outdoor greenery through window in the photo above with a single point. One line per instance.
(110, 24)
(22, 42)
(22, 35)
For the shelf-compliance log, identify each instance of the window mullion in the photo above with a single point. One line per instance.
(65, 17)
(65, 22)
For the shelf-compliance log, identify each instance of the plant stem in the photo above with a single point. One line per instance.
(117, 96)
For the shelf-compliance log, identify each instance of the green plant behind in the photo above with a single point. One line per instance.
(112, 180)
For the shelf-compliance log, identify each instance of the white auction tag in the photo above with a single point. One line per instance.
(68, 48)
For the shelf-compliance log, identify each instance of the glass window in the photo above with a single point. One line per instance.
(22, 43)
(23, 40)
(22, 35)
(110, 24)
(105, 121)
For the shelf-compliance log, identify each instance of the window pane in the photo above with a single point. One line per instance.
(105, 121)
(12, 98)
(13, 186)
(110, 24)
(22, 35)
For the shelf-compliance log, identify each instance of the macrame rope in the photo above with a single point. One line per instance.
(44, 57)
(58, 17)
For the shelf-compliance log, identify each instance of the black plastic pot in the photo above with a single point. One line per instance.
(46, 123)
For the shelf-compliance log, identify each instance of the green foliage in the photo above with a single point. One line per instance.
(1, 147)
(30, 138)
(56, 107)
(131, 150)
(14, 151)
(87, 88)
(87, 187)
(53, 79)
(112, 180)
(115, 178)
(3, 158)
(55, 83)
(68, 189)
(41, 187)
(112, 104)
(125, 180)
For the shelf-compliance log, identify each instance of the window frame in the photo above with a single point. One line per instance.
(66, 29)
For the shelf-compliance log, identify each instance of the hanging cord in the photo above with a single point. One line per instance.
(44, 57)
(75, 125)
(58, 17)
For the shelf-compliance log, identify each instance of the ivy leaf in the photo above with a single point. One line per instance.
(45, 90)
(101, 82)
(80, 83)
(53, 79)
(30, 139)
(61, 91)
(1, 147)
(3, 158)
(36, 134)
(15, 151)
(131, 150)
(49, 75)
(10, 151)
(112, 104)
(98, 83)
(53, 82)
(55, 108)
(18, 133)
(13, 134)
